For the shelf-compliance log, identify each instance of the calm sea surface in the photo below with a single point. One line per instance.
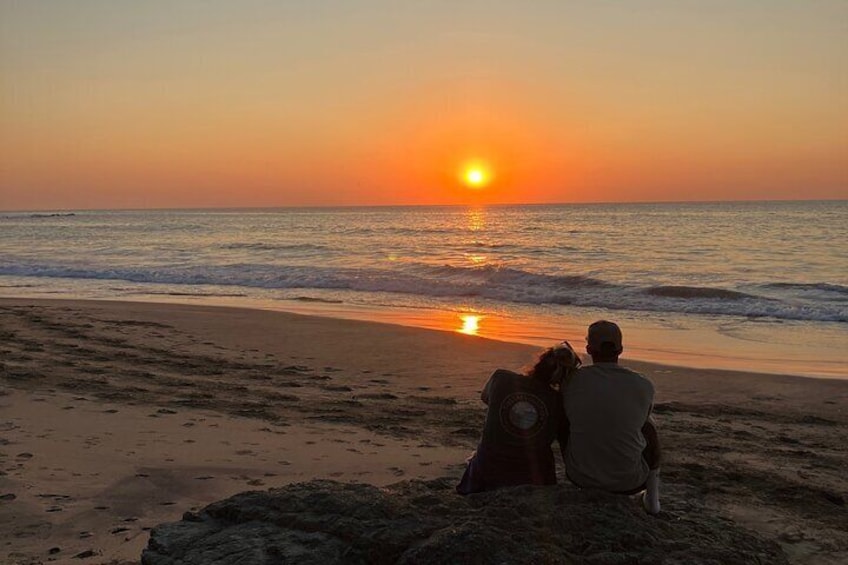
(760, 286)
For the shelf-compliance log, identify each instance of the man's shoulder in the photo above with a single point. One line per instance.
(617, 371)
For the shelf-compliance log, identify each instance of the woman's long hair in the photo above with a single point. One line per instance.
(555, 364)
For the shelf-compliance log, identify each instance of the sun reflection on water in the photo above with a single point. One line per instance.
(476, 218)
(470, 324)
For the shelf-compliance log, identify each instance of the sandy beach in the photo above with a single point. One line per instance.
(116, 416)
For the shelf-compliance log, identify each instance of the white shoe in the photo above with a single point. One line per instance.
(651, 496)
(650, 508)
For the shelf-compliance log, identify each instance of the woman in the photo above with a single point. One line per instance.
(523, 419)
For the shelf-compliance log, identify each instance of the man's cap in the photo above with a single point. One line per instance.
(603, 332)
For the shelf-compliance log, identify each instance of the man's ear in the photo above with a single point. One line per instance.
(588, 349)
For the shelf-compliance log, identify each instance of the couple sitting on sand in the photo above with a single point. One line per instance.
(600, 415)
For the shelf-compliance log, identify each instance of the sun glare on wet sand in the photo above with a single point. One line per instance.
(470, 324)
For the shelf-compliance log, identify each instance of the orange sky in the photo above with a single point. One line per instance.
(196, 104)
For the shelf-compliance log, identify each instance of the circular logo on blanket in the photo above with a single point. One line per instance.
(523, 414)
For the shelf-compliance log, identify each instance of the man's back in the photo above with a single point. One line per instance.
(606, 406)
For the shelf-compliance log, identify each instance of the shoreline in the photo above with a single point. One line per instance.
(117, 416)
(697, 349)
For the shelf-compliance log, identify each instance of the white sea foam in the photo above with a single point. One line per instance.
(499, 284)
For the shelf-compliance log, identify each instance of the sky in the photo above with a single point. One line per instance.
(212, 103)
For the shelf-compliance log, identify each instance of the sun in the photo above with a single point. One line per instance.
(476, 175)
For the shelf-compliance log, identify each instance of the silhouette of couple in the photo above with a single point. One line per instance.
(600, 415)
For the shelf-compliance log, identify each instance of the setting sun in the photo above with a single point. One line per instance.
(476, 176)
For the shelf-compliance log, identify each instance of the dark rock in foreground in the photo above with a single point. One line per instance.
(325, 522)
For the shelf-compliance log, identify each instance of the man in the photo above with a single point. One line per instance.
(612, 442)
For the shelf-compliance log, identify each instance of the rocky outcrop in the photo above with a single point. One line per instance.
(325, 522)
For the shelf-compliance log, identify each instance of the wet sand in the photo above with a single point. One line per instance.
(115, 417)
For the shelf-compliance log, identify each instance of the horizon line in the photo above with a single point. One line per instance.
(468, 205)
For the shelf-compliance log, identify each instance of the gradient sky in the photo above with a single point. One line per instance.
(113, 104)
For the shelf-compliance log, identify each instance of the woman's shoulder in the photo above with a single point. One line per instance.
(505, 374)
(517, 382)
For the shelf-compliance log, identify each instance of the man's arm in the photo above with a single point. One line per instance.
(652, 453)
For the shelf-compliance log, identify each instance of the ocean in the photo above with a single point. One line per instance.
(759, 286)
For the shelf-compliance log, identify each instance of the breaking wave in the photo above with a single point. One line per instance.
(504, 284)
(696, 292)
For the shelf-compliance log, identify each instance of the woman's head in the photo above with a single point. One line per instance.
(555, 364)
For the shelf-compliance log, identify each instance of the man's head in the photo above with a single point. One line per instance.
(603, 342)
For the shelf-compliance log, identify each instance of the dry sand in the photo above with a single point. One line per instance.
(115, 417)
